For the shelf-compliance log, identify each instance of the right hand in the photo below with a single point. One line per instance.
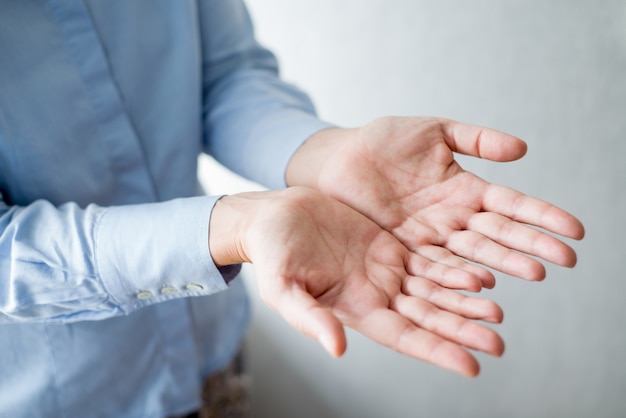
(401, 173)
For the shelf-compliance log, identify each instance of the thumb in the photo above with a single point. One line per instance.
(308, 316)
(482, 142)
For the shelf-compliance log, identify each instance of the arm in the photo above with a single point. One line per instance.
(66, 264)
(401, 173)
(253, 120)
(323, 266)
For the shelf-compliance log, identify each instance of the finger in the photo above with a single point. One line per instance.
(440, 264)
(452, 301)
(400, 334)
(442, 274)
(480, 249)
(449, 270)
(533, 211)
(522, 238)
(308, 316)
(448, 325)
(482, 142)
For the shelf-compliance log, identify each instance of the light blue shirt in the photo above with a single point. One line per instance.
(110, 303)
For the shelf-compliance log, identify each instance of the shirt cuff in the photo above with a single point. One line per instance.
(150, 253)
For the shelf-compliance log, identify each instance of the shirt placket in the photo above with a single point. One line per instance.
(126, 156)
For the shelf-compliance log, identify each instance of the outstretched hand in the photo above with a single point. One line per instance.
(323, 265)
(388, 234)
(401, 173)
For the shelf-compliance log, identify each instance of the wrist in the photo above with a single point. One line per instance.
(229, 218)
(307, 163)
(236, 217)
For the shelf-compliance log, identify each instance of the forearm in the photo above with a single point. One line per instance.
(67, 264)
(253, 120)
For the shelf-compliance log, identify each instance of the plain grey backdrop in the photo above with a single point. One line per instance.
(552, 72)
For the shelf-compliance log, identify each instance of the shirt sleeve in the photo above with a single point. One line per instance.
(66, 264)
(254, 121)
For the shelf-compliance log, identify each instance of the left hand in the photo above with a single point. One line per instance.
(322, 265)
(401, 173)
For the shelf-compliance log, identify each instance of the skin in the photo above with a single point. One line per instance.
(323, 265)
(401, 173)
(377, 231)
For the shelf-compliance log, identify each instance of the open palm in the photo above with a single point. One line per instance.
(323, 265)
(401, 173)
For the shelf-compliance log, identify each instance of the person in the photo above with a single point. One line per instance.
(118, 289)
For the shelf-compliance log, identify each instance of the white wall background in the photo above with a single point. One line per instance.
(550, 71)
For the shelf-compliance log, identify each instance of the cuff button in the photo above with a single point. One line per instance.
(193, 287)
(168, 290)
